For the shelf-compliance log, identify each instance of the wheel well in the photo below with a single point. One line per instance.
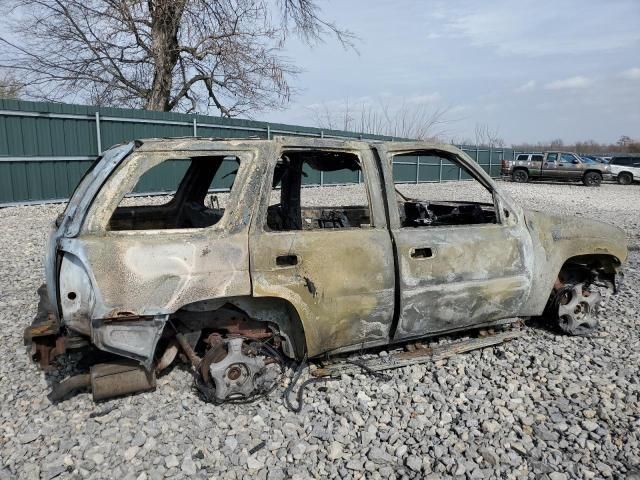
(594, 268)
(594, 171)
(623, 172)
(526, 169)
(276, 313)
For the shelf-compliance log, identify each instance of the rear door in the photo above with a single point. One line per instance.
(550, 165)
(326, 250)
(536, 165)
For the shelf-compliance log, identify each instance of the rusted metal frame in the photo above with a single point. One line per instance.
(194, 359)
(417, 356)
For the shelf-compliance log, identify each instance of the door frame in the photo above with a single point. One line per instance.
(509, 214)
(307, 308)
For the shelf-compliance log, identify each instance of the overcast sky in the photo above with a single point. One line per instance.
(534, 69)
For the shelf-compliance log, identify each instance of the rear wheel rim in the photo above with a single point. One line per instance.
(519, 176)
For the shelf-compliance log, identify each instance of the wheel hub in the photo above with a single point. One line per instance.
(234, 370)
(576, 310)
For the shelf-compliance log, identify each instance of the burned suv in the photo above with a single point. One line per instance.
(239, 282)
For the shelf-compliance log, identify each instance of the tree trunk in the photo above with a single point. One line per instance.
(165, 20)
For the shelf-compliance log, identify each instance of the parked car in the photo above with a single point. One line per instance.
(266, 276)
(626, 169)
(555, 166)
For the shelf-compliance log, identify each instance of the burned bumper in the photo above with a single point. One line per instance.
(46, 338)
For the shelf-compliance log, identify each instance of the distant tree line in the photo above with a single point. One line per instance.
(625, 144)
(395, 119)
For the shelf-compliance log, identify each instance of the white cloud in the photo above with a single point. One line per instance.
(513, 31)
(631, 74)
(569, 83)
(530, 85)
(428, 98)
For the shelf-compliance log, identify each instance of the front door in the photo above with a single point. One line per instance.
(326, 251)
(569, 166)
(462, 261)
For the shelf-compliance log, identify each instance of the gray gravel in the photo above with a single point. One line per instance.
(544, 406)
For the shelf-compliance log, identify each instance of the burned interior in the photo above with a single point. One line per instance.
(290, 213)
(193, 179)
(443, 212)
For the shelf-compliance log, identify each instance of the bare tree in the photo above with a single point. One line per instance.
(9, 87)
(487, 136)
(401, 120)
(186, 55)
(624, 140)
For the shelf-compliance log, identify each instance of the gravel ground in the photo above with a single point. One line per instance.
(543, 406)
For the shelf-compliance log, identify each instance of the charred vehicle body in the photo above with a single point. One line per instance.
(269, 275)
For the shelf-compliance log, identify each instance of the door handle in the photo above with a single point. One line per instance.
(424, 252)
(286, 260)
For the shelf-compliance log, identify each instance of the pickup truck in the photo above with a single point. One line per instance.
(266, 274)
(555, 166)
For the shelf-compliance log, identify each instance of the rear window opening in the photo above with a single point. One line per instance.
(187, 182)
(291, 209)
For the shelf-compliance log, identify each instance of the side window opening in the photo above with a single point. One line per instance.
(179, 194)
(459, 200)
(293, 206)
(537, 158)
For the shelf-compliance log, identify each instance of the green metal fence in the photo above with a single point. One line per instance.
(46, 147)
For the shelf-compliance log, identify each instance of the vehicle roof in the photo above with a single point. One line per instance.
(204, 143)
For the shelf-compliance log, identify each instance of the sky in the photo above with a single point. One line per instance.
(533, 70)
